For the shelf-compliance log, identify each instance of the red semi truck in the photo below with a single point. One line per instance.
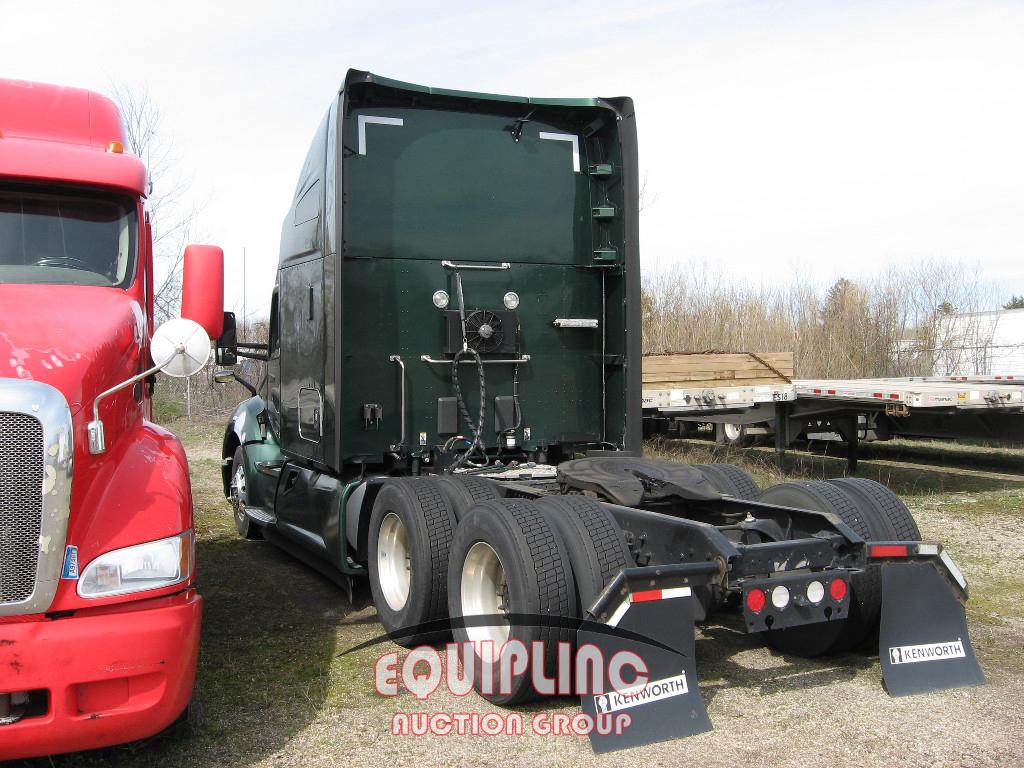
(99, 617)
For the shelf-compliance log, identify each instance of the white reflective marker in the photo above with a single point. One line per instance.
(815, 591)
(780, 597)
(365, 120)
(570, 138)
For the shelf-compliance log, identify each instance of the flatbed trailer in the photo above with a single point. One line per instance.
(851, 410)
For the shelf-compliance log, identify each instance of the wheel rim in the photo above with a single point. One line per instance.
(393, 561)
(238, 492)
(485, 593)
(733, 431)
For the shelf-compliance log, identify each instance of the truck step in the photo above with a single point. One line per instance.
(260, 516)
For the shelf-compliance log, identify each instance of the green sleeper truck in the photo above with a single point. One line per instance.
(452, 409)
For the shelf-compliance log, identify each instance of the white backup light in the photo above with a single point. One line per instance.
(780, 597)
(815, 591)
(440, 299)
(511, 300)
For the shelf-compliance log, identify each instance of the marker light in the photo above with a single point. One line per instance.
(815, 591)
(511, 300)
(780, 597)
(116, 147)
(440, 299)
(888, 550)
(755, 600)
(837, 589)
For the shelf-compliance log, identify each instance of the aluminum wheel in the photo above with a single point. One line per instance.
(485, 593)
(238, 492)
(393, 566)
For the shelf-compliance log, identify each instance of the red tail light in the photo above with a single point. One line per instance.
(837, 589)
(756, 600)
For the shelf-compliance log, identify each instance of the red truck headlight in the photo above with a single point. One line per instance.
(152, 565)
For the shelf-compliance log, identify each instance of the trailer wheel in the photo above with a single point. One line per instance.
(465, 491)
(506, 559)
(247, 529)
(735, 435)
(594, 541)
(731, 480)
(411, 529)
(866, 588)
(888, 507)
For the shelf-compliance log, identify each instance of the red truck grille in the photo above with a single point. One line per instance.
(21, 504)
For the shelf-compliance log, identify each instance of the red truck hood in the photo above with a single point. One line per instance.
(79, 339)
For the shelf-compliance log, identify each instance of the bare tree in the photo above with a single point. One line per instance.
(908, 320)
(172, 210)
(647, 197)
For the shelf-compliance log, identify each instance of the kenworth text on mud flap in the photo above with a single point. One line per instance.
(99, 619)
(452, 408)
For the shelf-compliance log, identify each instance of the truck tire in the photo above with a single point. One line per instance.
(410, 537)
(735, 435)
(594, 541)
(465, 491)
(865, 588)
(730, 480)
(246, 528)
(507, 559)
(888, 507)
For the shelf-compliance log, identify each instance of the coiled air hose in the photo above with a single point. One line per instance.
(478, 429)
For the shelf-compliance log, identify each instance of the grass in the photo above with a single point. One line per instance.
(274, 689)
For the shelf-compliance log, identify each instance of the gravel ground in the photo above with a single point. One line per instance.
(275, 690)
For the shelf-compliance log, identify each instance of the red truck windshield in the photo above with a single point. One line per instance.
(66, 238)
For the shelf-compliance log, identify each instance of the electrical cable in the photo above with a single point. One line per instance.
(476, 445)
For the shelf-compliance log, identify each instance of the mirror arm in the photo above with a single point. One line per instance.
(254, 355)
(97, 440)
(244, 383)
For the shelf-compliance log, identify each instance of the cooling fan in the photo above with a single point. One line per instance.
(483, 331)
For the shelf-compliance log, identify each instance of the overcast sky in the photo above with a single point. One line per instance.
(824, 138)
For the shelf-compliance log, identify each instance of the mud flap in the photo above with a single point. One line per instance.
(658, 627)
(923, 644)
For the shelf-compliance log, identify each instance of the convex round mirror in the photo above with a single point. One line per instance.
(183, 344)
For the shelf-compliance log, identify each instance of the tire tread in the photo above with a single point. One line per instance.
(731, 480)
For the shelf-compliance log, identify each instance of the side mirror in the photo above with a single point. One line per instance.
(227, 343)
(202, 288)
(181, 348)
